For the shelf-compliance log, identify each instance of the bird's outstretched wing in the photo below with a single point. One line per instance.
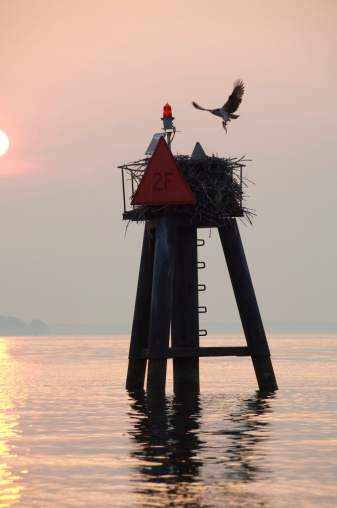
(199, 107)
(234, 100)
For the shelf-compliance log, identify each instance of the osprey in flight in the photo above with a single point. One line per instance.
(227, 110)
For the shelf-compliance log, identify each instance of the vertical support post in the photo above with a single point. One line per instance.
(185, 317)
(123, 184)
(247, 305)
(169, 135)
(141, 318)
(161, 302)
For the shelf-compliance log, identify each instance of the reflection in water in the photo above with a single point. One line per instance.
(244, 429)
(9, 482)
(175, 439)
(167, 435)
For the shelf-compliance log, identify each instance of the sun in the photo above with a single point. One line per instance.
(4, 143)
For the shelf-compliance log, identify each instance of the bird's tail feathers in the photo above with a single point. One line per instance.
(233, 117)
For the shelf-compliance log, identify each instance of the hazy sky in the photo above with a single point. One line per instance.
(83, 84)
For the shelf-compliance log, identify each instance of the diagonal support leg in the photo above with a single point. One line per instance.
(161, 302)
(141, 319)
(247, 305)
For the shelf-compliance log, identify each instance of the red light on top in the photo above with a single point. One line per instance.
(167, 111)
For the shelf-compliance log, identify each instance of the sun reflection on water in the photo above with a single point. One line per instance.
(10, 488)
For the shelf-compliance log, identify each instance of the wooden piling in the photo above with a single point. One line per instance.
(141, 319)
(185, 317)
(161, 302)
(247, 305)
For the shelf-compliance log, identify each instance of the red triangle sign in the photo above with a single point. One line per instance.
(162, 182)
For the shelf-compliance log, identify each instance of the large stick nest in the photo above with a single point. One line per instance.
(217, 185)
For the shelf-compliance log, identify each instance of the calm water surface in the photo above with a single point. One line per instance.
(71, 436)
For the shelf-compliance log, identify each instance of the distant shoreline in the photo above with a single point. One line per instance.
(11, 326)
